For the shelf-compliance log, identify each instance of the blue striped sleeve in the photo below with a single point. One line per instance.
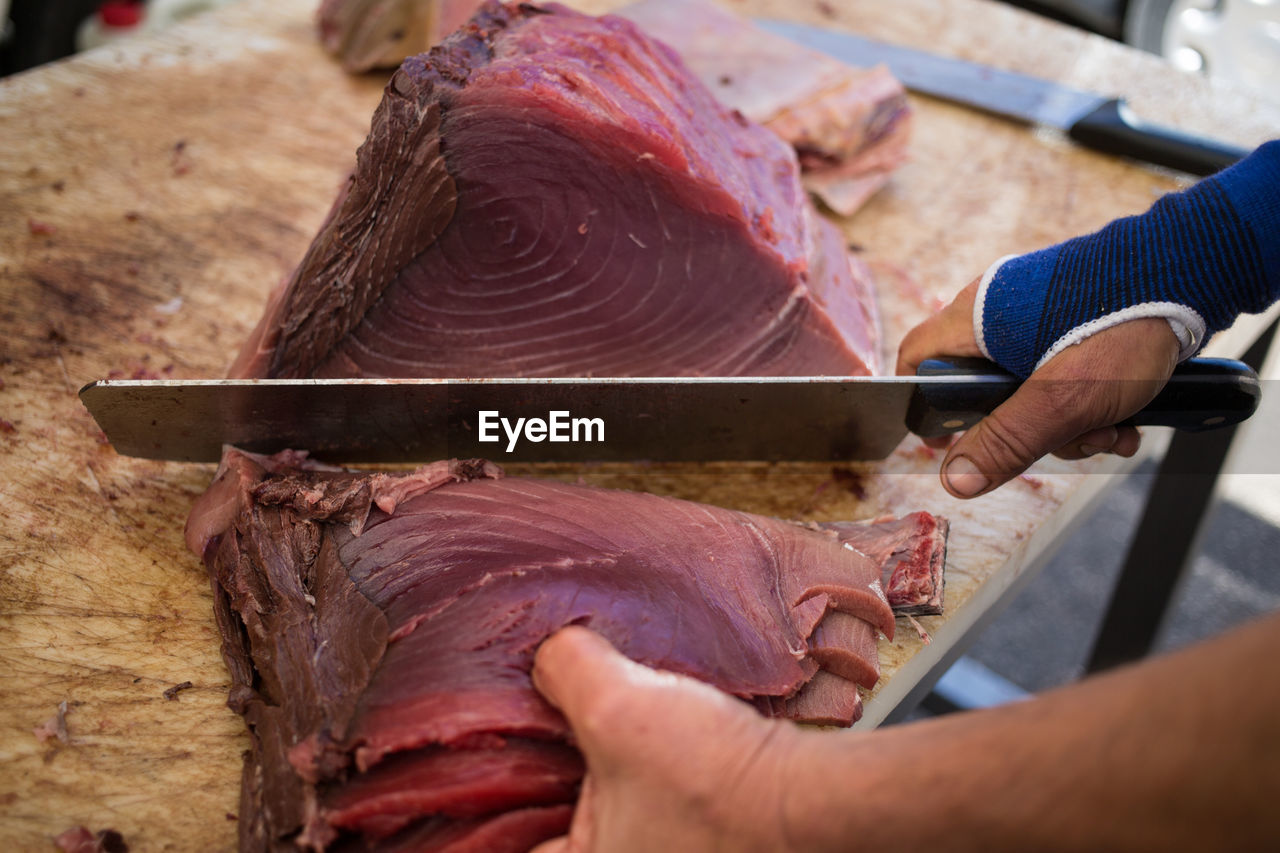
(1198, 258)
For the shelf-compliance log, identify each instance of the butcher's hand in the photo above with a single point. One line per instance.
(1068, 407)
(672, 763)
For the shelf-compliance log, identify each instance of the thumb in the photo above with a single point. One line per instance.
(574, 669)
(610, 700)
(555, 845)
(1096, 383)
(1032, 423)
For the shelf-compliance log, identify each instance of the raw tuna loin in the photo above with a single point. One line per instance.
(547, 194)
(380, 631)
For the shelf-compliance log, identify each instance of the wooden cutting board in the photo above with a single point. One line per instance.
(152, 194)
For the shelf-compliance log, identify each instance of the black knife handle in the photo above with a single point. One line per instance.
(1203, 393)
(1113, 128)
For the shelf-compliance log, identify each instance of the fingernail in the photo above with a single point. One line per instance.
(1091, 450)
(964, 478)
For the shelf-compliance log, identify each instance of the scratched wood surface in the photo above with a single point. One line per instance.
(151, 195)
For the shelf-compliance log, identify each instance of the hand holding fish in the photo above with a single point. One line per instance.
(672, 763)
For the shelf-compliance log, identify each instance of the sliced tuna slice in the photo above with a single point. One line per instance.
(547, 193)
(459, 783)
(849, 125)
(846, 646)
(515, 831)
(826, 700)
(368, 615)
(865, 600)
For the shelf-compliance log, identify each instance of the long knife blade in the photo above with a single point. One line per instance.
(548, 420)
(1103, 123)
(508, 420)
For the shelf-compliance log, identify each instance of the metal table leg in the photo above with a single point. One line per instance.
(1165, 541)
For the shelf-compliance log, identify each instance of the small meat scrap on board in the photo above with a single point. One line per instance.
(368, 34)
(911, 550)
(79, 839)
(54, 727)
(849, 125)
(552, 194)
(380, 632)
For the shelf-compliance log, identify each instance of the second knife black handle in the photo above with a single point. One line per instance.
(1112, 128)
(1203, 393)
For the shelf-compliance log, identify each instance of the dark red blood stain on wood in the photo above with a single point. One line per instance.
(851, 481)
(924, 451)
(172, 693)
(41, 229)
(180, 161)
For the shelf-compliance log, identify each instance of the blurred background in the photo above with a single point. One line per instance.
(1237, 40)
(40, 31)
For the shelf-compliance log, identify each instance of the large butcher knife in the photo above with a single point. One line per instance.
(544, 420)
(1099, 122)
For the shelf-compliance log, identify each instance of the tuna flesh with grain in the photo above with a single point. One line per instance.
(380, 630)
(548, 193)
